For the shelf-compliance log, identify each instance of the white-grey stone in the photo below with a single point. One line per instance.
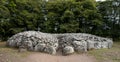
(22, 49)
(50, 43)
(40, 47)
(50, 50)
(80, 46)
(90, 44)
(98, 45)
(77, 43)
(33, 41)
(68, 50)
(110, 43)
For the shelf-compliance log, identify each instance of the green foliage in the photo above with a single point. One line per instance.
(54, 16)
(110, 14)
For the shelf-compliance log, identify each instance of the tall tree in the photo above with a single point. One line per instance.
(111, 14)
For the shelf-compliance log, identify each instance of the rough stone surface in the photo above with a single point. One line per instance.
(68, 50)
(90, 44)
(22, 49)
(87, 40)
(80, 46)
(50, 43)
(34, 41)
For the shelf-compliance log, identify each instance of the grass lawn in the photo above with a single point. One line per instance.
(13, 51)
(10, 54)
(107, 55)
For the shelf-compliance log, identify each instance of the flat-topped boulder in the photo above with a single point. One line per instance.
(50, 43)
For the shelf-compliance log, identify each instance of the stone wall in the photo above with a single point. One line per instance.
(67, 43)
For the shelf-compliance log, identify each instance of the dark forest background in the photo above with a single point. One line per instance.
(60, 16)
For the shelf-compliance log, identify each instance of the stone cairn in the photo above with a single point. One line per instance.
(67, 43)
(34, 41)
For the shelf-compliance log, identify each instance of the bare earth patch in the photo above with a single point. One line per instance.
(12, 55)
(41, 57)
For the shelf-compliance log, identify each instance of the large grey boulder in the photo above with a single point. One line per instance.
(80, 46)
(50, 50)
(65, 41)
(40, 47)
(67, 50)
(110, 43)
(90, 44)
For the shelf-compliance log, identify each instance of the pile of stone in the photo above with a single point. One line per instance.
(81, 42)
(67, 43)
(34, 41)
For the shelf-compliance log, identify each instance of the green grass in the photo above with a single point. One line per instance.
(107, 55)
(10, 54)
(11, 51)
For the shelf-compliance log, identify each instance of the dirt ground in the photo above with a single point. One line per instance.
(102, 55)
(41, 57)
(12, 55)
